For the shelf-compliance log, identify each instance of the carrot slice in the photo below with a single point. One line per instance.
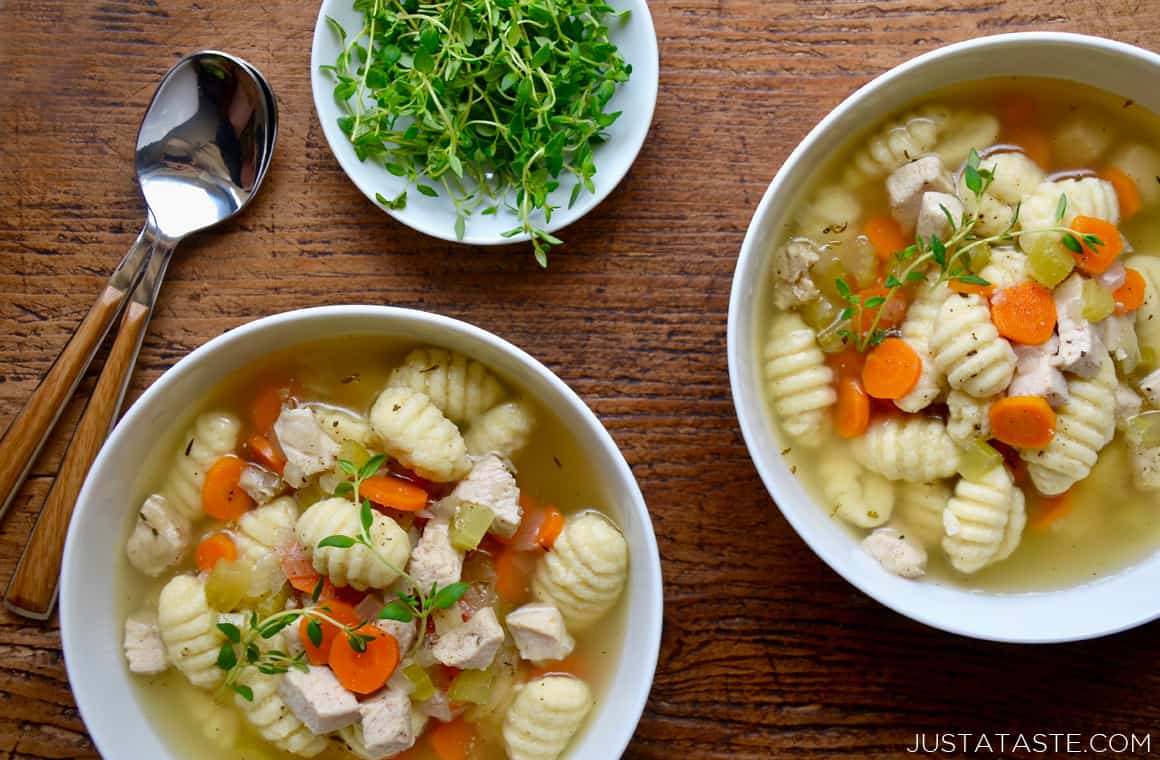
(1096, 259)
(1024, 313)
(852, 412)
(340, 611)
(846, 363)
(393, 492)
(1130, 295)
(213, 549)
(221, 496)
(1033, 143)
(893, 310)
(892, 369)
(266, 453)
(1025, 422)
(1126, 191)
(885, 235)
(1018, 110)
(454, 740)
(513, 572)
(266, 407)
(364, 672)
(1050, 509)
(550, 528)
(298, 568)
(971, 288)
(573, 664)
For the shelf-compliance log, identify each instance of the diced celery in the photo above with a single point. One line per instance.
(1098, 302)
(472, 686)
(980, 257)
(272, 603)
(1144, 430)
(469, 525)
(978, 459)
(228, 584)
(1049, 262)
(857, 257)
(819, 313)
(826, 274)
(309, 494)
(353, 452)
(419, 678)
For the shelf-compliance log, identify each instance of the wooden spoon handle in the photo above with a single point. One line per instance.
(33, 587)
(27, 432)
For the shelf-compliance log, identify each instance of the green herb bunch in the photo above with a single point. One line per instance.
(241, 649)
(947, 259)
(495, 100)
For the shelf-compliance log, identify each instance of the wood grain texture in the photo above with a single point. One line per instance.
(766, 652)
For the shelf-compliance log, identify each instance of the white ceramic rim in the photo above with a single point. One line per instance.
(622, 717)
(620, 156)
(791, 499)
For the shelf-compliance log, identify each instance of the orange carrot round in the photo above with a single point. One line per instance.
(1033, 143)
(266, 407)
(340, 611)
(852, 412)
(550, 528)
(574, 665)
(213, 549)
(1024, 313)
(266, 453)
(364, 672)
(1025, 422)
(1126, 191)
(1018, 109)
(221, 496)
(893, 310)
(393, 492)
(846, 363)
(454, 740)
(885, 235)
(1096, 259)
(513, 573)
(1130, 295)
(298, 568)
(1046, 510)
(971, 288)
(892, 369)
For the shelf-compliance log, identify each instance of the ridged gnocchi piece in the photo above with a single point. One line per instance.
(968, 348)
(920, 509)
(1087, 196)
(269, 715)
(965, 130)
(544, 717)
(460, 387)
(798, 380)
(160, 537)
(262, 531)
(504, 430)
(977, 517)
(1080, 140)
(916, 331)
(355, 566)
(1007, 267)
(219, 722)
(1083, 426)
(914, 135)
(917, 449)
(1142, 164)
(968, 418)
(1015, 176)
(832, 214)
(213, 435)
(1148, 315)
(343, 425)
(417, 434)
(189, 629)
(853, 493)
(585, 572)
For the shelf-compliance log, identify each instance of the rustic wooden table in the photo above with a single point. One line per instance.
(766, 653)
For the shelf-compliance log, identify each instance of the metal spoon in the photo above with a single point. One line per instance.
(203, 148)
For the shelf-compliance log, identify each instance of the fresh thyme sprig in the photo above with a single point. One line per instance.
(912, 264)
(494, 101)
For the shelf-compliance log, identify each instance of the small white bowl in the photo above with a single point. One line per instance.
(637, 98)
(90, 610)
(1115, 603)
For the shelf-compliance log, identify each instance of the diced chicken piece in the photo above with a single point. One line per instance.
(933, 215)
(1149, 387)
(318, 699)
(793, 285)
(1128, 404)
(908, 185)
(144, 649)
(404, 633)
(260, 484)
(435, 560)
(386, 723)
(306, 446)
(1145, 466)
(471, 646)
(439, 708)
(1113, 278)
(1036, 374)
(1080, 349)
(1118, 334)
(492, 484)
(540, 633)
(896, 552)
(160, 537)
